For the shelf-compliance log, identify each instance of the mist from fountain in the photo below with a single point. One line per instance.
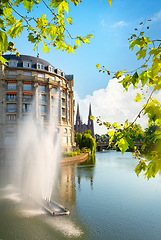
(38, 154)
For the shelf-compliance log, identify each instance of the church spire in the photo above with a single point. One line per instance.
(90, 121)
(78, 114)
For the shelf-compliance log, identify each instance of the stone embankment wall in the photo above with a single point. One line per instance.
(77, 159)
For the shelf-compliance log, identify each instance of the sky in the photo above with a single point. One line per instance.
(111, 28)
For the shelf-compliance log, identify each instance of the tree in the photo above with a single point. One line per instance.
(85, 140)
(50, 29)
(149, 75)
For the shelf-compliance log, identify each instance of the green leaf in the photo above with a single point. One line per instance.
(45, 48)
(97, 66)
(69, 20)
(3, 60)
(123, 145)
(109, 2)
(126, 124)
(138, 97)
(78, 42)
(141, 53)
(92, 118)
(111, 133)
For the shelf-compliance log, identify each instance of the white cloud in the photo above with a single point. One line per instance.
(112, 104)
(103, 23)
(119, 24)
(157, 16)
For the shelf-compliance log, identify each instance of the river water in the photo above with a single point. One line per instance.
(105, 197)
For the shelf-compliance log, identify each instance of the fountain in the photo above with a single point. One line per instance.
(37, 159)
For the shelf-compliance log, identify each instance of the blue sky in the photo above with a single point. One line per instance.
(111, 27)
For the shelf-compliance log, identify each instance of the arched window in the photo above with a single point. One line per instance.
(65, 130)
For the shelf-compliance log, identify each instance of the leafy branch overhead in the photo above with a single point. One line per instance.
(146, 75)
(50, 28)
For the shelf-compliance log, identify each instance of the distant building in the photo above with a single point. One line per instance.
(25, 78)
(79, 127)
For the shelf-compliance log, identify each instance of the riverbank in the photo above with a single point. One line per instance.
(79, 158)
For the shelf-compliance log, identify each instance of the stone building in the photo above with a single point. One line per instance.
(79, 127)
(23, 79)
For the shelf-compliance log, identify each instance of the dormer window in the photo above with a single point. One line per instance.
(50, 68)
(26, 64)
(40, 66)
(12, 63)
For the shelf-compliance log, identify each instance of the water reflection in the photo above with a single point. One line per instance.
(70, 175)
(86, 170)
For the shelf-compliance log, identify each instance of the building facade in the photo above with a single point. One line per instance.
(79, 127)
(25, 78)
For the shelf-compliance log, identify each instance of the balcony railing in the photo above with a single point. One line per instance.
(63, 113)
(25, 99)
(42, 90)
(11, 87)
(63, 103)
(27, 88)
(11, 98)
(11, 109)
(42, 100)
(63, 94)
(26, 110)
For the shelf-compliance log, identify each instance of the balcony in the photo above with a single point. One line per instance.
(42, 100)
(63, 95)
(11, 87)
(63, 104)
(26, 110)
(11, 109)
(63, 114)
(26, 99)
(11, 99)
(27, 88)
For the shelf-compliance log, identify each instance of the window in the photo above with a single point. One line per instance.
(40, 66)
(54, 90)
(40, 75)
(26, 64)
(12, 73)
(11, 117)
(11, 107)
(10, 140)
(27, 86)
(69, 139)
(27, 73)
(42, 109)
(26, 107)
(42, 98)
(65, 139)
(10, 130)
(12, 63)
(42, 88)
(65, 130)
(52, 77)
(27, 98)
(11, 97)
(26, 117)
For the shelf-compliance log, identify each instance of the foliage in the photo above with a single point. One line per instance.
(70, 154)
(147, 74)
(85, 140)
(50, 28)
